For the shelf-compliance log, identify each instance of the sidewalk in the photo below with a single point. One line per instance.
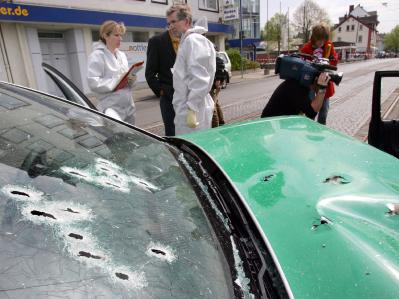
(142, 92)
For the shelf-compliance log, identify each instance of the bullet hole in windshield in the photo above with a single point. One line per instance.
(162, 252)
(268, 177)
(44, 214)
(323, 220)
(393, 209)
(71, 211)
(89, 255)
(113, 185)
(77, 173)
(336, 179)
(157, 251)
(122, 276)
(76, 236)
(20, 193)
(142, 183)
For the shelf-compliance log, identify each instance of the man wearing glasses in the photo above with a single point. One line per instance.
(193, 72)
(161, 56)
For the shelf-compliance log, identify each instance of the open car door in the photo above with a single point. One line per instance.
(70, 91)
(383, 134)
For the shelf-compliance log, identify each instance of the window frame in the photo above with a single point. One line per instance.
(209, 9)
(164, 2)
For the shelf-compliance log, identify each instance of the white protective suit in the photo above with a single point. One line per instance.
(193, 74)
(103, 74)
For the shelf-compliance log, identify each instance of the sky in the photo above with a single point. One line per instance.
(387, 14)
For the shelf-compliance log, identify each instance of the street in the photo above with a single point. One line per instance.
(350, 107)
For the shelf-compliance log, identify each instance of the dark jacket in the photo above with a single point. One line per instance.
(289, 98)
(160, 59)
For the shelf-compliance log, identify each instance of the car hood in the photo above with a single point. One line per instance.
(321, 199)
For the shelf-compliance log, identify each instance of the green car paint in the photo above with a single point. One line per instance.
(320, 198)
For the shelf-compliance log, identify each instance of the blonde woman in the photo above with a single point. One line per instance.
(106, 66)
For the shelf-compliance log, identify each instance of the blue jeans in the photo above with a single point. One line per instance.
(322, 115)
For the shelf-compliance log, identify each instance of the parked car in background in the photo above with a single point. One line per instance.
(94, 207)
(381, 54)
(227, 65)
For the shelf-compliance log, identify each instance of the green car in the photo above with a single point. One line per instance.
(91, 207)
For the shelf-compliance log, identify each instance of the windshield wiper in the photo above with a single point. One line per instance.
(260, 267)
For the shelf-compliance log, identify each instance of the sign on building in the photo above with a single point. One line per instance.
(135, 52)
(231, 13)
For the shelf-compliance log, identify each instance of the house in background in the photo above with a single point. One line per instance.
(250, 22)
(358, 28)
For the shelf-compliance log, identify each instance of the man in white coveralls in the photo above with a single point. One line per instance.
(193, 73)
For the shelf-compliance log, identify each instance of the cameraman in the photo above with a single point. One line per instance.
(291, 98)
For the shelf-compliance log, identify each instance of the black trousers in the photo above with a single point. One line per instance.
(168, 114)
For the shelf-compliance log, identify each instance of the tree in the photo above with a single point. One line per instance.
(273, 29)
(391, 40)
(308, 14)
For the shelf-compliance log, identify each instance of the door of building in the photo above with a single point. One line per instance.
(54, 53)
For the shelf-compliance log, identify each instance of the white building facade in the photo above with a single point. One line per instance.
(359, 28)
(61, 33)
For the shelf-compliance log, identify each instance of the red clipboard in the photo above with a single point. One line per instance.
(123, 81)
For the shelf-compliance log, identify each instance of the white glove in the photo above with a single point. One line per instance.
(191, 119)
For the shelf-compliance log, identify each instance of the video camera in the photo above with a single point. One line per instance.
(295, 67)
(220, 73)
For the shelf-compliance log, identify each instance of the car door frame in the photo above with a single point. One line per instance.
(383, 134)
(67, 86)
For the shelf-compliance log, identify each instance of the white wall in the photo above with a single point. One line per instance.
(14, 52)
(77, 56)
(350, 36)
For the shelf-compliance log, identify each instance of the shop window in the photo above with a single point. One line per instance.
(212, 5)
(140, 37)
(212, 38)
(95, 35)
(127, 37)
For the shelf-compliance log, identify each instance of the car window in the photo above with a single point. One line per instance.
(91, 207)
(223, 56)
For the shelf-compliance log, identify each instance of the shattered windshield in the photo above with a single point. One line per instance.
(90, 208)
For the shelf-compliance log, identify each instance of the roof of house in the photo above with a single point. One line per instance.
(366, 21)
